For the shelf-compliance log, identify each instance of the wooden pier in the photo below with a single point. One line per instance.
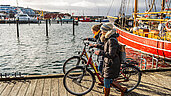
(152, 84)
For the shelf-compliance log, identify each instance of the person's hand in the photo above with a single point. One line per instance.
(97, 52)
(85, 39)
(94, 45)
(91, 44)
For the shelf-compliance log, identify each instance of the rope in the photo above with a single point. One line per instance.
(151, 5)
(128, 6)
(110, 7)
(146, 4)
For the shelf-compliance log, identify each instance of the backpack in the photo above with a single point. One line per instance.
(121, 52)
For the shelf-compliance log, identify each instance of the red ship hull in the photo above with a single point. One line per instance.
(146, 45)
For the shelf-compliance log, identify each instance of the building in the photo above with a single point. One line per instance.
(10, 11)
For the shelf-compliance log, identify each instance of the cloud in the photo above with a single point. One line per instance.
(93, 7)
(84, 4)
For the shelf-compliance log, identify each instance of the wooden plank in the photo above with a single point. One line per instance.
(31, 87)
(164, 86)
(47, 87)
(114, 92)
(150, 87)
(97, 90)
(3, 86)
(87, 84)
(16, 89)
(167, 81)
(70, 84)
(24, 88)
(76, 87)
(54, 87)
(8, 89)
(62, 90)
(39, 87)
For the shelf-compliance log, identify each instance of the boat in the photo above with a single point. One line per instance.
(148, 32)
(85, 20)
(25, 18)
(103, 20)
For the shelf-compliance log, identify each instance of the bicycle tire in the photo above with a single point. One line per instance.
(69, 63)
(133, 75)
(79, 83)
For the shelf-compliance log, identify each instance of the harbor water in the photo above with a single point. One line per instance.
(34, 53)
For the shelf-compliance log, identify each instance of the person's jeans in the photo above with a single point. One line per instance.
(100, 67)
(107, 82)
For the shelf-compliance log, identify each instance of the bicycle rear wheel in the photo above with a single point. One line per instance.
(79, 81)
(131, 77)
(72, 62)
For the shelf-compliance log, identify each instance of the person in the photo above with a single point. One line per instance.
(97, 33)
(111, 66)
(96, 38)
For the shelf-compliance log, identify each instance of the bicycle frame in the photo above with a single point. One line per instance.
(94, 66)
(90, 62)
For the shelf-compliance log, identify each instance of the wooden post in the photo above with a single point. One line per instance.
(38, 21)
(29, 21)
(61, 22)
(49, 21)
(46, 27)
(9, 21)
(14, 20)
(73, 27)
(17, 22)
(162, 9)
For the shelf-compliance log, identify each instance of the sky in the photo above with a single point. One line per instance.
(78, 7)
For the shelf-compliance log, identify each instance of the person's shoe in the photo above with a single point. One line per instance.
(106, 91)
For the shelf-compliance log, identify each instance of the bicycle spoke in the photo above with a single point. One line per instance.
(130, 77)
(72, 62)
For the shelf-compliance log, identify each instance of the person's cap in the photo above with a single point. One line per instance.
(106, 27)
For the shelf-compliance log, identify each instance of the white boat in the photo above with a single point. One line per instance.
(25, 18)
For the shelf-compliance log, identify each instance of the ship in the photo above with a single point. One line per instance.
(148, 32)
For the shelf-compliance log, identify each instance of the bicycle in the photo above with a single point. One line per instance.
(84, 79)
(76, 60)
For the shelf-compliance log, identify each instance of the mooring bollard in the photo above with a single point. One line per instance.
(73, 27)
(17, 23)
(46, 27)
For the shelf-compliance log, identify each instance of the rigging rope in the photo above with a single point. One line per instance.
(168, 3)
(110, 7)
(151, 7)
(128, 7)
(146, 5)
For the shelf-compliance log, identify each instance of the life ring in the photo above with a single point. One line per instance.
(168, 26)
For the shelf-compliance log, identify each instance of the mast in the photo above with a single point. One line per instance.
(163, 3)
(135, 11)
(162, 8)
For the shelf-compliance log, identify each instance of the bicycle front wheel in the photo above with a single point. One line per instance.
(131, 77)
(79, 81)
(72, 62)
